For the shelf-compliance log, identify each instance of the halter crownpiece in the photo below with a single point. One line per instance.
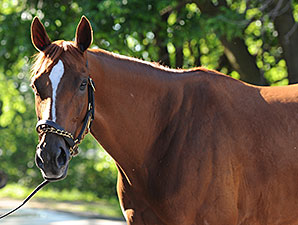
(49, 126)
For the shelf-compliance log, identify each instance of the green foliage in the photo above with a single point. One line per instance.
(228, 23)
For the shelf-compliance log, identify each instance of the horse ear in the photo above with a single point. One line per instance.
(84, 34)
(39, 36)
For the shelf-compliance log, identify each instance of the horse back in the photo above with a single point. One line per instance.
(228, 152)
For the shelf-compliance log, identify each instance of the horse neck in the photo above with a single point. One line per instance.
(132, 106)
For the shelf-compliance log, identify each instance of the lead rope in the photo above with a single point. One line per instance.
(44, 183)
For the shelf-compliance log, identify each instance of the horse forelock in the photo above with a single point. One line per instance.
(44, 61)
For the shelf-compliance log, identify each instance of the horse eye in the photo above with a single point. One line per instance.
(83, 85)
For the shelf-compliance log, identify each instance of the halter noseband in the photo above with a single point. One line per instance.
(49, 126)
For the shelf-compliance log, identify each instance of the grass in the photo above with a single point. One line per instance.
(74, 200)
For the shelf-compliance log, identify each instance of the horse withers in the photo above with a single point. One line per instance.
(191, 146)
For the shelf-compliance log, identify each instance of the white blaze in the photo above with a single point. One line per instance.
(55, 77)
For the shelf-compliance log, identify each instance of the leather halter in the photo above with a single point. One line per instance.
(49, 126)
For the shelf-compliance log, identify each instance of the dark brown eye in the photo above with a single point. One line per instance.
(83, 85)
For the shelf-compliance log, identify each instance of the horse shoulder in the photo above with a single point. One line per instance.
(186, 155)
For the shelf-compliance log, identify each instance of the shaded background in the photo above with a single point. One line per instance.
(252, 40)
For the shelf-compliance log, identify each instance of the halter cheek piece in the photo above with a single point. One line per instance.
(49, 126)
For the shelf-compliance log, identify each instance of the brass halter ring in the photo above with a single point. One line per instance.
(49, 126)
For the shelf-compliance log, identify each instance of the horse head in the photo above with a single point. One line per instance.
(63, 97)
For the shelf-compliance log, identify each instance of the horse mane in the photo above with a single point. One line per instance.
(154, 65)
(45, 60)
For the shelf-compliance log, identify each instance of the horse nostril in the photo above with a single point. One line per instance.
(61, 158)
(39, 162)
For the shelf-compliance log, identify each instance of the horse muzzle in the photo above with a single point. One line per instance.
(52, 157)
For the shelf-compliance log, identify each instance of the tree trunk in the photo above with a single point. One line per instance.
(287, 28)
(179, 57)
(224, 62)
(242, 61)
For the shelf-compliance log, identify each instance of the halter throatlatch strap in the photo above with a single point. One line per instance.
(49, 126)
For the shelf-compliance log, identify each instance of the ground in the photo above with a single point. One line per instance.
(46, 212)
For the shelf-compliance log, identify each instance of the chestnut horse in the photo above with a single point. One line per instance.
(191, 146)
